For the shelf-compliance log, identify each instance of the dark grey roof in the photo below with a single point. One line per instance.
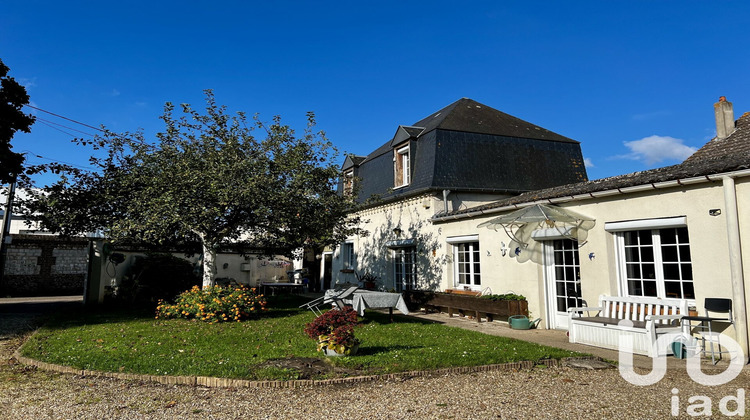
(351, 161)
(468, 146)
(717, 156)
(470, 116)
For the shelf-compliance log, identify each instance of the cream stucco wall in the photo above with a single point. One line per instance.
(598, 261)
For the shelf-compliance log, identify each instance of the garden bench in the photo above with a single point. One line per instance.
(650, 317)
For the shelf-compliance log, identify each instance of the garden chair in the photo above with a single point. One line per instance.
(335, 299)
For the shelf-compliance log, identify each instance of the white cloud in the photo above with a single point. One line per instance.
(588, 162)
(27, 83)
(655, 149)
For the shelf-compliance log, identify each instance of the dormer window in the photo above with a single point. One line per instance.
(401, 168)
(349, 183)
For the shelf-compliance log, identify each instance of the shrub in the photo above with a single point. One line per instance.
(214, 304)
(334, 330)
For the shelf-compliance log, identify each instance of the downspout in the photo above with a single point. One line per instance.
(445, 200)
(735, 263)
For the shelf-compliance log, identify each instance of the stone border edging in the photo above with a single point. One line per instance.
(214, 382)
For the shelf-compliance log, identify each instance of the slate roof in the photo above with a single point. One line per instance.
(468, 146)
(716, 156)
(470, 116)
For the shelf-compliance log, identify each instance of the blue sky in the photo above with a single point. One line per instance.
(633, 81)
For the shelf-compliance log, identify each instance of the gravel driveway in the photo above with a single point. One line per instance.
(555, 393)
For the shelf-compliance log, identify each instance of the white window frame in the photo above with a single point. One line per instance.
(654, 226)
(348, 255)
(349, 182)
(402, 160)
(474, 276)
(399, 255)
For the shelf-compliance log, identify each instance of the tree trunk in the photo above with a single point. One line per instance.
(209, 265)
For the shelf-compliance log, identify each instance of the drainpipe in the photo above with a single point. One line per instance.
(735, 263)
(445, 200)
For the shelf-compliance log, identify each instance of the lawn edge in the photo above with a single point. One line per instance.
(215, 382)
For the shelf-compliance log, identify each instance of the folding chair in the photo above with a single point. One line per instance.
(336, 300)
(313, 305)
(718, 306)
(342, 299)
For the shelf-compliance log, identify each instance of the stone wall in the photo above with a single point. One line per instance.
(39, 265)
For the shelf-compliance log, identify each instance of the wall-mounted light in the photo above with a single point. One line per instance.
(397, 231)
(714, 212)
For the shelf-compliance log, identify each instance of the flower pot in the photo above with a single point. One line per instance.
(350, 351)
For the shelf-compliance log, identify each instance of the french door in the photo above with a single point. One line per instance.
(563, 273)
(404, 267)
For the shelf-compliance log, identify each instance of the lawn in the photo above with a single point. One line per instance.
(132, 341)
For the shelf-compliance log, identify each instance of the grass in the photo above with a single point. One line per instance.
(133, 341)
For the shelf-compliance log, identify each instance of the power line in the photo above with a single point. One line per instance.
(29, 152)
(55, 128)
(66, 118)
(62, 125)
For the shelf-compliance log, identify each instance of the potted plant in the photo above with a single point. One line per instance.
(334, 332)
(368, 280)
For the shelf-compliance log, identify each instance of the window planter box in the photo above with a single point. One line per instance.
(453, 303)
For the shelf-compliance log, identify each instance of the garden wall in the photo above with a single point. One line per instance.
(45, 265)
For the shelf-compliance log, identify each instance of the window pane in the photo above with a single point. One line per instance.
(687, 288)
(672, 289)
(668, 236)
(631, 238)
(649, 288)
(685, 253)
(647, 254)
(570, 273)
(649, 271)
(671, 272)
(632, 255)
(682, 235)
(561, 304)
(634, 288)
(634, 271)
(568, 258)
(560, 286)
(669, 253)
(687, 272)
(645, 237)
(558, 257)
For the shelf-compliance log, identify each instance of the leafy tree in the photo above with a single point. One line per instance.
(13, 97)
(206, 178)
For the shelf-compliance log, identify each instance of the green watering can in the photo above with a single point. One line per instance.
(521, 322)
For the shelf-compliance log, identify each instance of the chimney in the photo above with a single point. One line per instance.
(724, 118)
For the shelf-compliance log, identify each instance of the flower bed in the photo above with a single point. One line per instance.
(214, 304)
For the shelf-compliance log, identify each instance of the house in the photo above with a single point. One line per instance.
(671, 232)
(463, 155)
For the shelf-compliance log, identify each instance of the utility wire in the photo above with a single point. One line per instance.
(62, 125)
(66, 118)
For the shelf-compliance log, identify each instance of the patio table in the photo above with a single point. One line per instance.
(364, 299)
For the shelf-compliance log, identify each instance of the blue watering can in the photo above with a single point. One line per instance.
(522, 322)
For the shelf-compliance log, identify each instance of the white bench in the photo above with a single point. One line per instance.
(649, 316)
